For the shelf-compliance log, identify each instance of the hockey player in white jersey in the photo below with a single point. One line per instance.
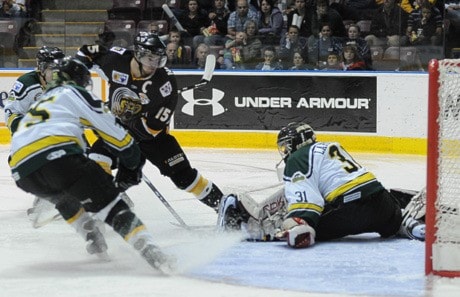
(25, 91)
(47, 159)
(326, 195)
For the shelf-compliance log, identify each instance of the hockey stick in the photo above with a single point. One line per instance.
(172, 18)
(207, 75)
(165, 202)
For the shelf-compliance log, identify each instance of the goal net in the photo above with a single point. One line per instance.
(443, 170)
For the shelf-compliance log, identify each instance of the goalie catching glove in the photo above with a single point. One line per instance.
(297, 233)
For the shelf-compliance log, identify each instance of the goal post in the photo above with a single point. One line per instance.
(443, 170)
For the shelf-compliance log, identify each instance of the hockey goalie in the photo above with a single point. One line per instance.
(326, 195)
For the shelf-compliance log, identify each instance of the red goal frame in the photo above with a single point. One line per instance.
(432, 170)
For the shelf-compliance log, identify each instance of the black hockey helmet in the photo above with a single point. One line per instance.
(293, 136)
(46, 57)
(71, 69)
(150, 50)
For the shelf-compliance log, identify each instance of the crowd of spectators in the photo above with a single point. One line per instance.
(311, 34)
(298, 34)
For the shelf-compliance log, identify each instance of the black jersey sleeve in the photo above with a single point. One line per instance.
(160, 109)
(90, 53)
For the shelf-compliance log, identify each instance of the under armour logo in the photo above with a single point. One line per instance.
(189, 107)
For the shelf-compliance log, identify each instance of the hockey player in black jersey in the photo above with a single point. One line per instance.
(143, 95)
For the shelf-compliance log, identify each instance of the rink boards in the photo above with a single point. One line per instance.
(365, 111)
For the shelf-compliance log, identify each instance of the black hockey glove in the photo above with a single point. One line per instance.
(127, 178)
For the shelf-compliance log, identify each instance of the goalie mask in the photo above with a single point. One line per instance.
(126, 105)
(149, 50)
(294, 136)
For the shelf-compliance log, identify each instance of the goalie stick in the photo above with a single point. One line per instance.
(207, 75)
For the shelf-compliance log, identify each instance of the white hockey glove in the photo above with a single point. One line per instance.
(297, 233)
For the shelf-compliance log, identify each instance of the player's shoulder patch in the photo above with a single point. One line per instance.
(118, 50)
(166, 89)
(120, 77)
(17, 87)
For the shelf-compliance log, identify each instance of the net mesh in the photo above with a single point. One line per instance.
(447, 204)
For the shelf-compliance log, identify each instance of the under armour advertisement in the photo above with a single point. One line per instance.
(239, 102)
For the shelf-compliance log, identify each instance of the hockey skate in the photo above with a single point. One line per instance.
(96, 244)
(413, 225)
(155, 257)
(230, 216)
(42, 213)
(213, 197)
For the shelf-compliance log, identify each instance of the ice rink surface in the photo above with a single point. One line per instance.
(51, 261)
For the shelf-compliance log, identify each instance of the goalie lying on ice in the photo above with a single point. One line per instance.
(326, 195)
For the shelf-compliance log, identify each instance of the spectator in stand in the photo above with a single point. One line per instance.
(252, 49)
(173, 59)
(410, 5)
(452, 13)
(291, 43)
(334, 62)
(299, 61)
(351, 59)
(388, 24)
(233, 54)
(270, 22)
(153, 28)
(181, 52)
(300, 8)
(270, 60)
(201, 52)
(9, 9)
(244, 51)
(424, 26)
(320, 47)
(194, 22)
(323, 14)
(216, 33)
(354, 38)
(237, 19)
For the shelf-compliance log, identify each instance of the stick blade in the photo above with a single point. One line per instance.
(209, 67)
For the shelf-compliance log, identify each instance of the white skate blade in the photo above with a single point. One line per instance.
(40, 221)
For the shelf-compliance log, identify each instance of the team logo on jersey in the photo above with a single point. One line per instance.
(189, 107)
(166, 89)
(118, 50)
(119, 77)
(56, 155)
(17, 87)
(297, 177)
